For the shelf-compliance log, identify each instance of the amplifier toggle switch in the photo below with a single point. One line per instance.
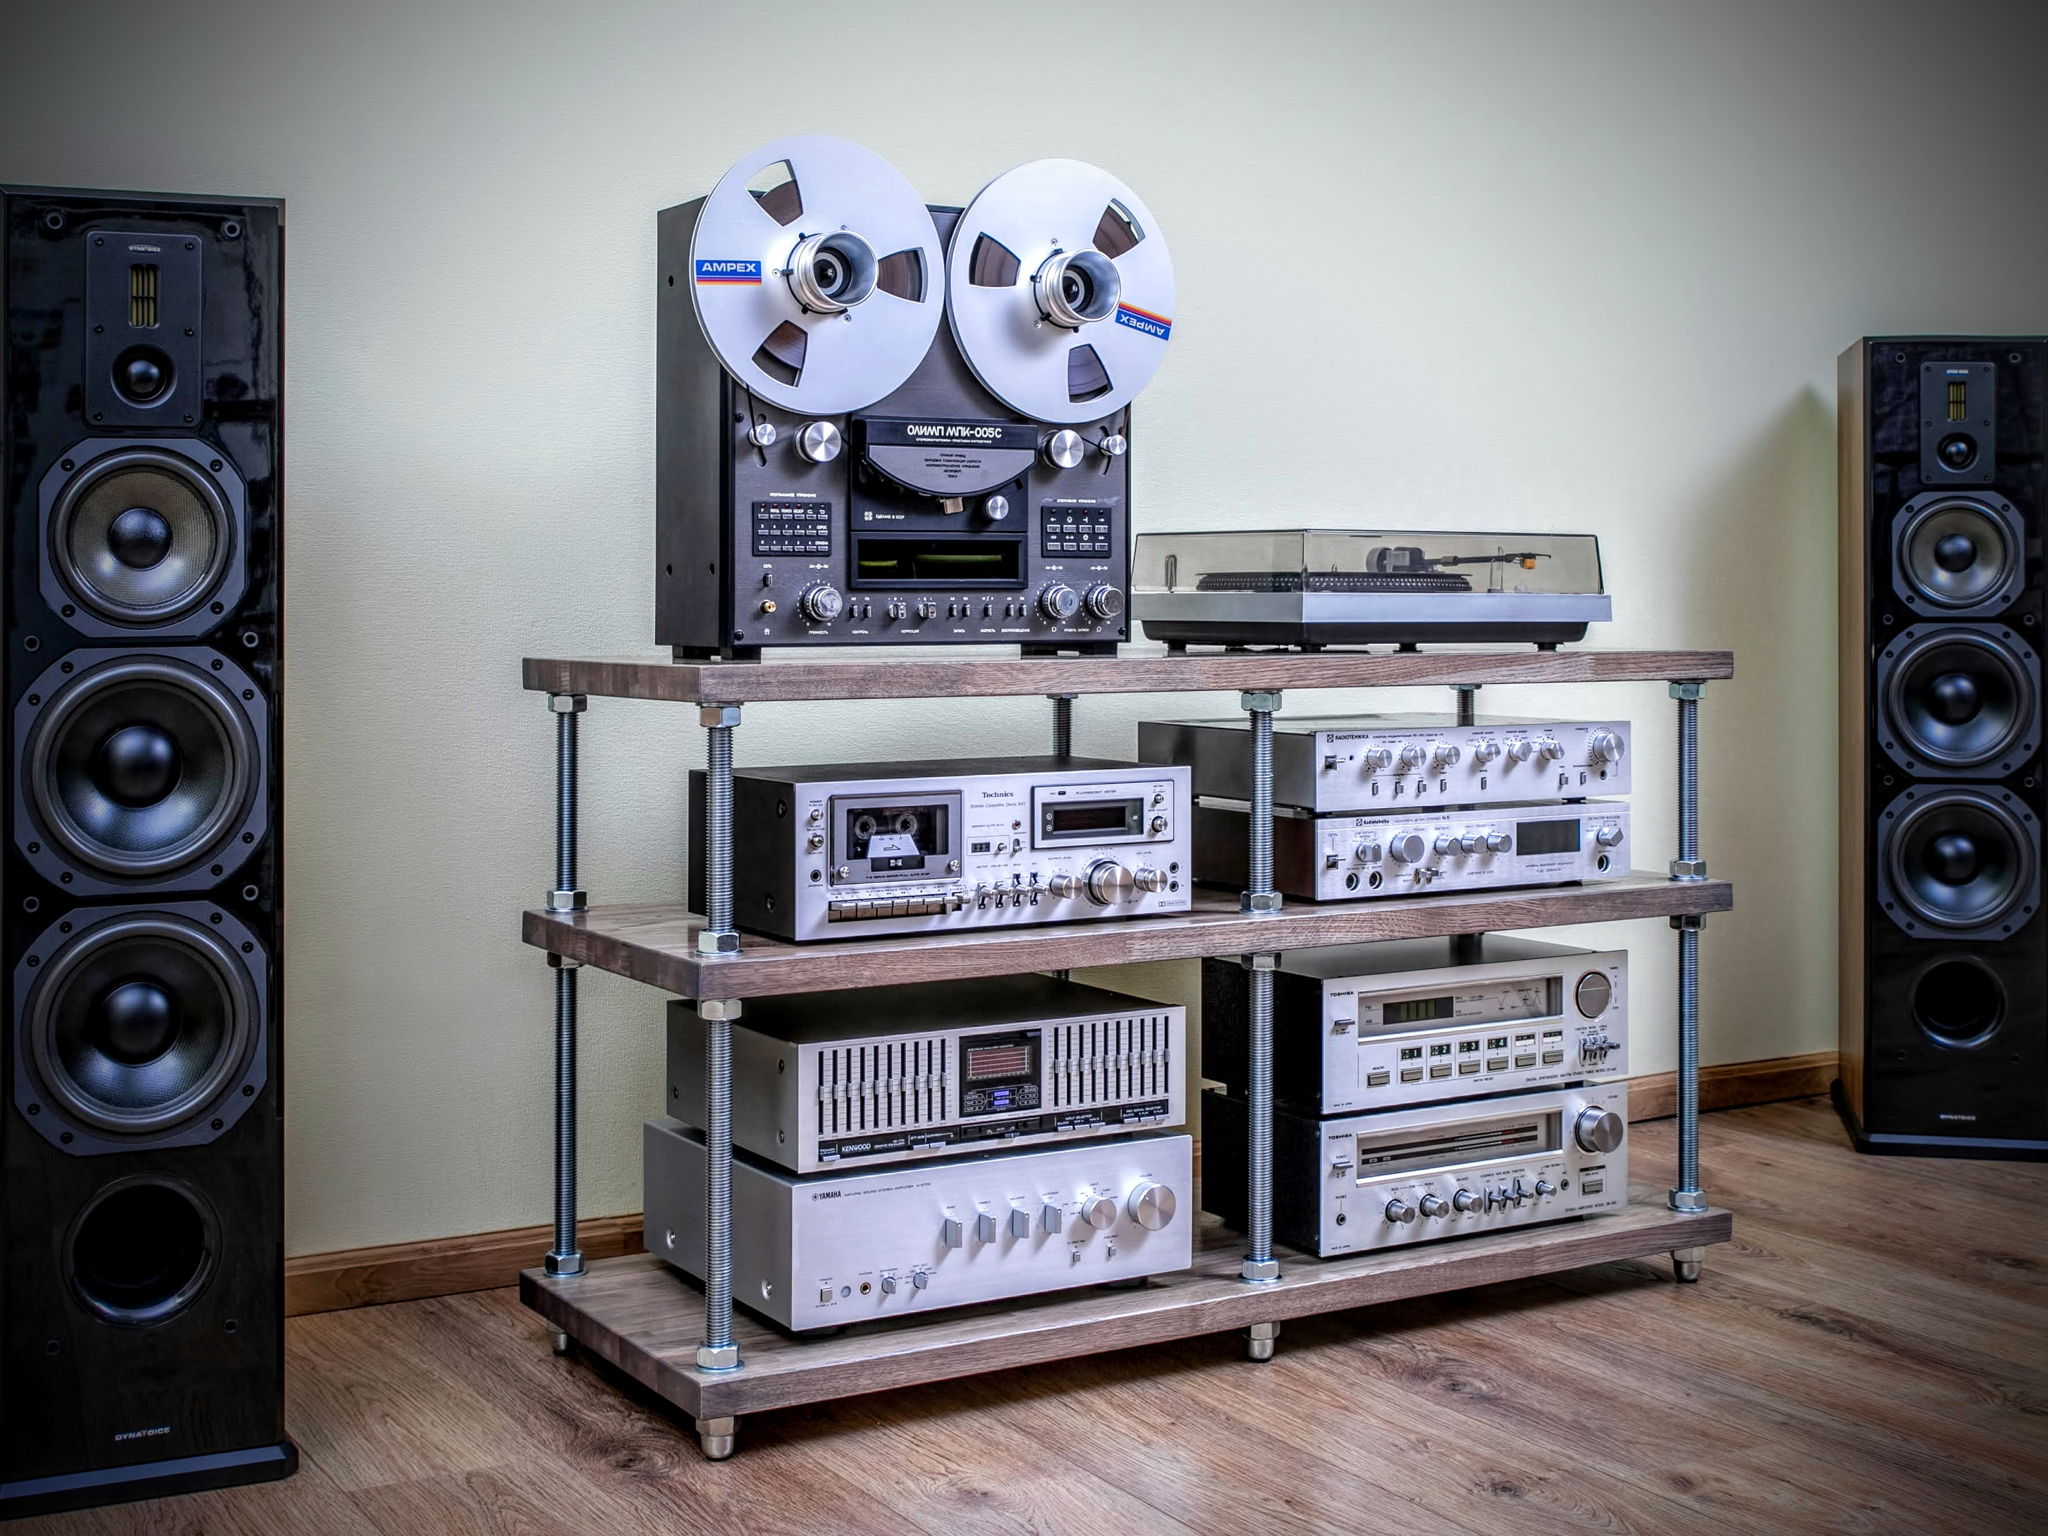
(952, 1234)
(985, 1228)
(1401, 1213)
(1544, 1189)
(1051, 1217)
(1593, 1052)
(1434, 1207)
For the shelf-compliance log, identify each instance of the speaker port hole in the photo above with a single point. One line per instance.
(141, 1251)
(1959, 1003)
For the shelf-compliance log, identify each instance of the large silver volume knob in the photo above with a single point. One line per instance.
(1108, 882)
(1104, 602)
(1402, 1212)
(1099, 1211)
(1059, 602)
(1151, 1205)
(819, 442)
(1598, 1130)
(1604, 747)
(1065, 448)
(1408, 848)
(821, 605)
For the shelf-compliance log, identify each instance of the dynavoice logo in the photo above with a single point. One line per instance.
(142, 1434)
(728, 271)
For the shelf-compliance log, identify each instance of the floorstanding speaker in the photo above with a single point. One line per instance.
(141, 1198)
(1944, 945)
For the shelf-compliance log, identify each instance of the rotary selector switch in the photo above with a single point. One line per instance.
(1104, 601)
(1065, 448)
(1151, 1205)
(1366, 851)
(1401, 1213)
(1414, 755)
(1465, 1200)
(1059, 602)
(1604, 747)
(1434, 1207)
(1099, 1211)
(821, 604)
(1443, 755)
(1593, 993)
(819, 442)
(1521, 749)
(1608, 837)
(1150, 881)
(1108, 882)
(1408, 848)
(1499, 842)
(1376, 758)
(1598, 1130)
(1485, 752)
(1549, 749)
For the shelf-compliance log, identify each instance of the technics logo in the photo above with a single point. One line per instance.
(954, 429)
(728, 271)
(1144, 320)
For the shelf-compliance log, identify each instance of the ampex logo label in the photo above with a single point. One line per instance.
(952, 429)
(728, 271)
(1144, 320)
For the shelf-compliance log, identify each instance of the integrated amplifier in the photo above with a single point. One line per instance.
(1406, 853)
(833, 1249)
(1358, 1183)
(1374, 762)
(950, 846)
(879, 422)
(1411, 1021)
(898, 1074)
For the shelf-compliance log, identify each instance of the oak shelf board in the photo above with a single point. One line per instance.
(656, 943)
(787, 676)
(646, 1319)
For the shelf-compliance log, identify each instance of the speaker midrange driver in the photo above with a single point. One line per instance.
(139, 1027)
(1956, 861)
(140, 769)
(1958, 553)
(1959, 700)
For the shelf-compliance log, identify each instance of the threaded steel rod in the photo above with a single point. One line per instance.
(1261, 868)
(565, 801)
(718, 1183)
(1062, 725)
(565, 1259)
(1688, 1196)
(1259, 1265)
(1467, 705)
(1260, 1237)
(1688, 778)
(718, 830)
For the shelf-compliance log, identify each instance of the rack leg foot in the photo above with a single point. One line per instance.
(716, 1437)
(1259, 1340)
(1686, 1264)
(562, 1343)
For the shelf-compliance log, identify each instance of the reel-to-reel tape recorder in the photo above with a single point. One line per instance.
(836, 467)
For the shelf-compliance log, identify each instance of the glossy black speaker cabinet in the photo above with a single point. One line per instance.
(141, 1132)
(1944, 943)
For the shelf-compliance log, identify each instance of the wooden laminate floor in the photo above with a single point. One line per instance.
(1870, 1354)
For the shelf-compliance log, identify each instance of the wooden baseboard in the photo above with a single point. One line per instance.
(361, 1277)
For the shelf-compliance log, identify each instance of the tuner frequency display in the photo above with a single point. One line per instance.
(937, 847)
(1358, 1183)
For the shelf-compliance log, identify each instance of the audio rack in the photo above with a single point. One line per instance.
(610, 1306)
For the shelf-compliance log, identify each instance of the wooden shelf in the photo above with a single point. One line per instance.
(657, 943)
(790, 676)
(646, 1319)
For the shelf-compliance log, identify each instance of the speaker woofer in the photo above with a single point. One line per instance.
(141, 536)
(1961, 860)
(142, 1250)
(1958, 698)
(1959, 553)
(141, 767)
(141, 1023)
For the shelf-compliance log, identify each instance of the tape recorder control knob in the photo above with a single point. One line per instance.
(1105, 602)
(1408, 848)
(1151, 1205)
(1434, 1207)
(819, 442)
(996, 508)
(1065, 448)
(1401, 1212)
(1099, 1211)
(1108, 882)
(1464, 1200)
(762, 434)
(1604, 747)
(1059, 602)
(821, 605)
(1115, 444)
(1598, 1130)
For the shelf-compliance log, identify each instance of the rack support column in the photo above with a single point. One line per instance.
(1260, 1267)
(564, 1258)
(717, 937)
(1062, 746)
(1687, 1196)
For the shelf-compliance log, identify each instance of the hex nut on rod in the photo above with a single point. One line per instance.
(718, 1008)
(1260, 901)
(567, 703)
(718, 1357)
(1688, 690)
(562, 1266)
(1260, 701)
(714, 716)
(563, 963)
(568, 901)
(1260, 1271)
(1688, 869)
(709, 943)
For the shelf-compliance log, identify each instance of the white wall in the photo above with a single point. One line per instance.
(1572, 265)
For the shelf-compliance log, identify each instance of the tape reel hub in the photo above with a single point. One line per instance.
(830, 274)
(1077, 288)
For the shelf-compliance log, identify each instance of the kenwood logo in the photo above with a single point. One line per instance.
(142, 1434)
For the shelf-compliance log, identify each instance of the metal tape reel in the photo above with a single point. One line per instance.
(1059, 287)
(815, 272)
